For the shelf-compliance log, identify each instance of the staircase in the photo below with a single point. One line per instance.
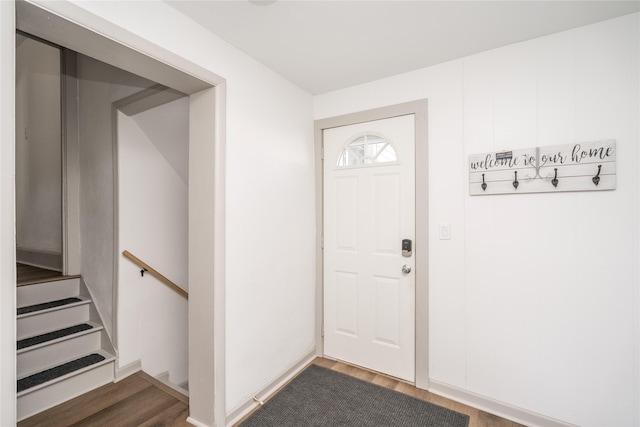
(63, 348)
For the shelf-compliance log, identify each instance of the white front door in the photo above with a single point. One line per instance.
(369, 209)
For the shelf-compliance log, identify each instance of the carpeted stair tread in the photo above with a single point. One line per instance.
(58, 371)
(50, 336)
(47, 305)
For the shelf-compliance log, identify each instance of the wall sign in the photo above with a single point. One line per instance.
(589, 166)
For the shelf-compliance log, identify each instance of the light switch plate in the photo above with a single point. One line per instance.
(445, 231)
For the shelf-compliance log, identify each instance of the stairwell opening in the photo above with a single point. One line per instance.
(206, 189)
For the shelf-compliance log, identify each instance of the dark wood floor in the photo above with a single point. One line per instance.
(138, 400)
(27, 274)
(141, 400)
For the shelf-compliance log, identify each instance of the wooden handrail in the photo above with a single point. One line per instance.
(155, 273)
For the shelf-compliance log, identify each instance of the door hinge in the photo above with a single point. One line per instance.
(322, 152)
(322, 330)
(322, 242)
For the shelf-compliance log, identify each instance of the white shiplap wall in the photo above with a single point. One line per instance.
(534, 300)
(549, 277)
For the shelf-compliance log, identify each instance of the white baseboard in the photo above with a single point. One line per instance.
(270, 388)
(127, 370)
(196, 422)
(495, 407)
(164, 379)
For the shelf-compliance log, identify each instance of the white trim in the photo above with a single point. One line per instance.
(206, 249)
(127, 370)
(196, 423)
(91, 35)
(219, 259)
(270, 388)
(71, 256)
(495, 407)
(164, 379)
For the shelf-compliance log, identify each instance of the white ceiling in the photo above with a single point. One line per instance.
(327, 45)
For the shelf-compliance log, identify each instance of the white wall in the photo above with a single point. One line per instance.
(99, 86)
(534, 300)
(38, 148)
(635, 70)
(270, 204)
(168, 127)
(153, 225)
(7, 217)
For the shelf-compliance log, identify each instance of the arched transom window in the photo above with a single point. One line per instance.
(367, 149)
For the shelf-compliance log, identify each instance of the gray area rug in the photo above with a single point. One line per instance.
(322, 397)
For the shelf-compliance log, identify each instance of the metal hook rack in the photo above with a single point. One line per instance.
(582, 166)
(596, 179)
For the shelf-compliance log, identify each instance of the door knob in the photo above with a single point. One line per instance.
(406, 269)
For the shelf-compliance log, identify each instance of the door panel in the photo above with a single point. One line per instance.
(386, 213)
(347, 213)
(347, 297)
(369, 207)
(386, 318)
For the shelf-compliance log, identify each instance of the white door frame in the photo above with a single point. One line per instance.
(75, 28)
(419, 109)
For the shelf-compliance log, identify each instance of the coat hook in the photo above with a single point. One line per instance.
(554, 181)
(515, 182)
(596, 179)
(142, 272)
(484, 184)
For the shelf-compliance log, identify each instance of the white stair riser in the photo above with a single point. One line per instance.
(43, 292)
(42, 358)
(48, 397)
(40, 323)
(47, 355)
